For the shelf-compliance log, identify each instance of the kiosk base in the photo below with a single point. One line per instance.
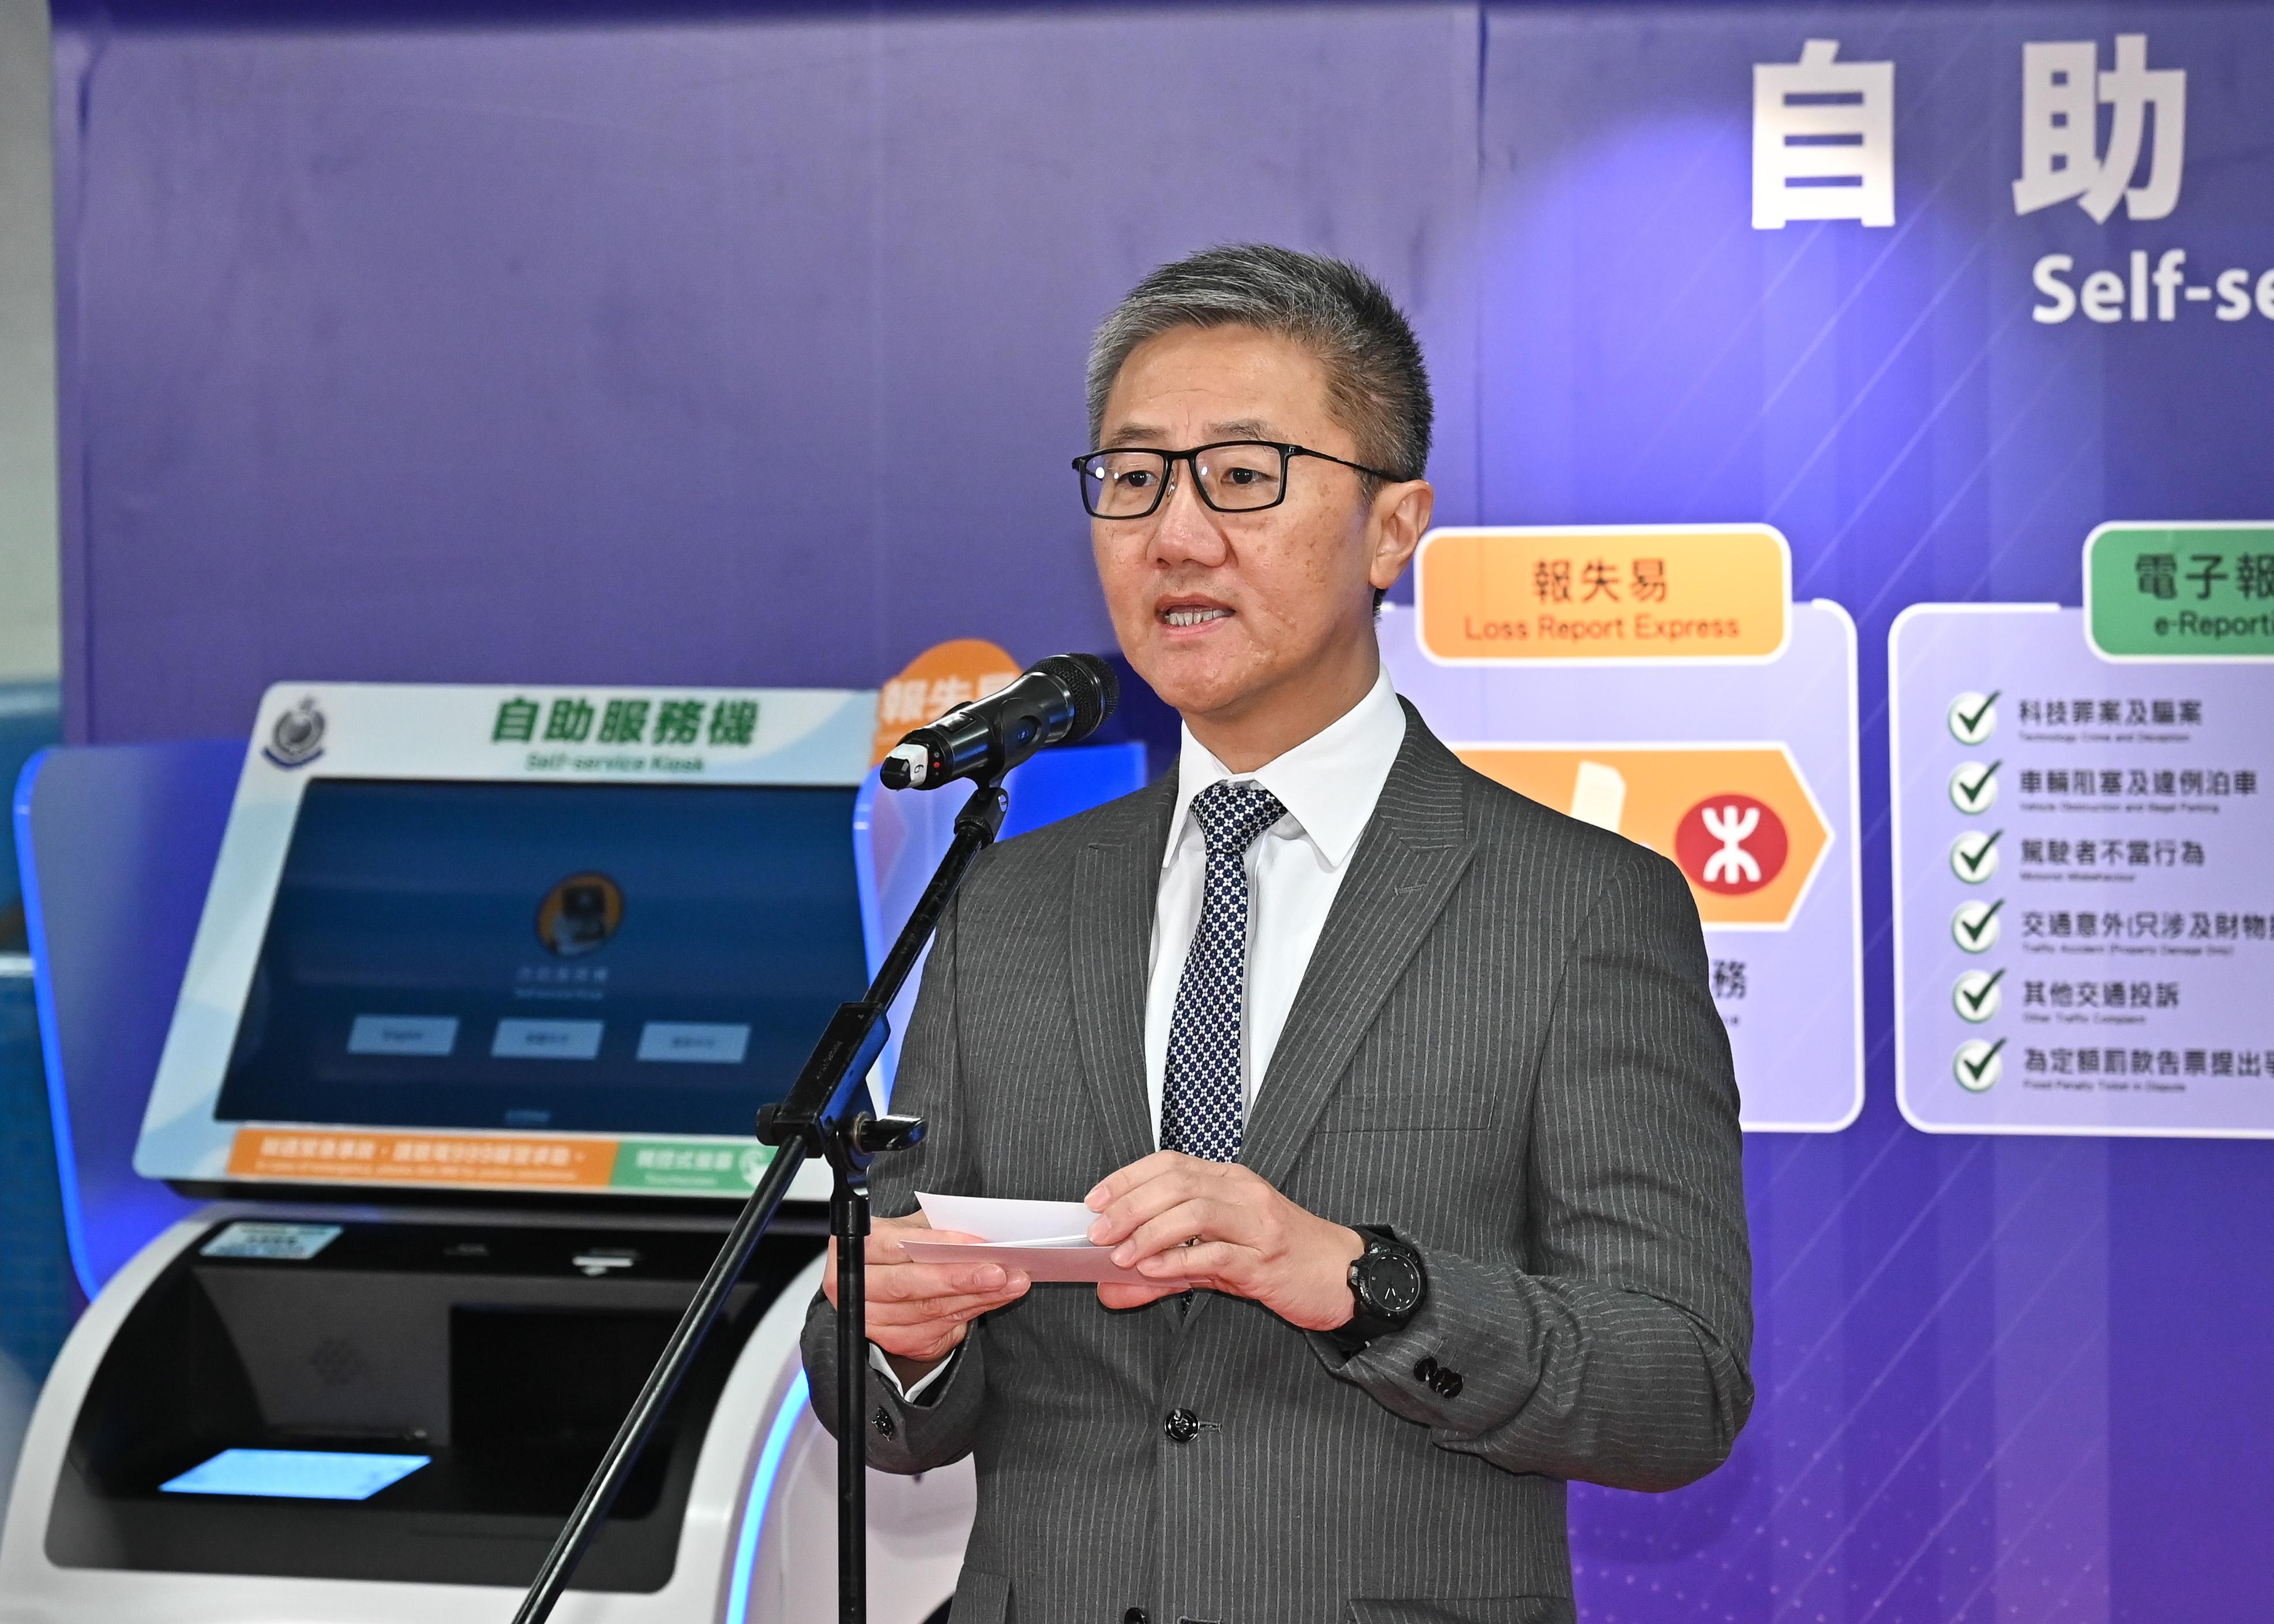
(488, 1358)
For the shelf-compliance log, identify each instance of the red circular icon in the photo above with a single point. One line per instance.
(1730, 844)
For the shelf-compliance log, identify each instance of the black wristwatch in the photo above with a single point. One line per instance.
(1387, 1283)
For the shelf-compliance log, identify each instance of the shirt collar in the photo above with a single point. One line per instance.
(1329, 783)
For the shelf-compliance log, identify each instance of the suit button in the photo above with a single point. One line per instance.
(1136, 1615)
(1448, 1383)
(1426, 1371)
(1182, 1426)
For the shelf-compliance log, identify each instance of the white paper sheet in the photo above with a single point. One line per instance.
(1018, 1223)
(1046, 1240)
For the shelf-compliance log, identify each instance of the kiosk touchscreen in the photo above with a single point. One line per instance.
(488, 987)
(481, 938)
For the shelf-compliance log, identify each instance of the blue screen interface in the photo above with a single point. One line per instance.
(295, 1474)
(610, 958)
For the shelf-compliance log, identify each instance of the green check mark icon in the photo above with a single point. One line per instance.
(1974, 1068)
(1973, 720)
(1968, 791)
(1980, 996)
(1981, 854)
(1973, 930)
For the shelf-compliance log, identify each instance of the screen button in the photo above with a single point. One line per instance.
(403, 1034)
(277, 1243)
(547, 1039)
(702, 1043)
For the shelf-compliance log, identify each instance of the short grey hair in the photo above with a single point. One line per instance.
(1376, 384)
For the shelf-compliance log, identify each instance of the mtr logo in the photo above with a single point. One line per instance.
(1731, 844)
(1738, 820)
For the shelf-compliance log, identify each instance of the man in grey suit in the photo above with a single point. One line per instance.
(1408, 1091)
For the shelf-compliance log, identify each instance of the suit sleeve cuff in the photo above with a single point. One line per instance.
(1462, 1362)
(914, 1393)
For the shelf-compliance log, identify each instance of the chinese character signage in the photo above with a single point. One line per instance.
(2062, 154)
(688, 1166)
(2085, 875)
(1730, 750)
(2181, 591)
(770, 735)
(602, 733)
(1639, 592)
(1824, 139)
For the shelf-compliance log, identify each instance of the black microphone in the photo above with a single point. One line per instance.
(1058, 701)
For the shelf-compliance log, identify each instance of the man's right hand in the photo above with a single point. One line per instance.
(918, 1313)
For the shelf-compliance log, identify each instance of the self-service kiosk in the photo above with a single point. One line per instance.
(487, 988)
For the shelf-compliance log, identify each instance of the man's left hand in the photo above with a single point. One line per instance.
(1185, 1222)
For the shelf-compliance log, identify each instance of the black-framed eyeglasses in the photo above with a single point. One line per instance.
(1232, 476)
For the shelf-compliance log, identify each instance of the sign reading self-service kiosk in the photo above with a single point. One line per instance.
(2084, 848)
(1658, 681)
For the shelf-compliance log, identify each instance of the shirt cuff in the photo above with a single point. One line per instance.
(882, 1366)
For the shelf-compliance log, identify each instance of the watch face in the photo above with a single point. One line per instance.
(1392, 1282)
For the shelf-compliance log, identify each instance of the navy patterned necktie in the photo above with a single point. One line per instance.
(1201, 1104)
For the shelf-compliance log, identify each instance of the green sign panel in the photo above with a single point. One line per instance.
(688, 1168)
(2181, 591)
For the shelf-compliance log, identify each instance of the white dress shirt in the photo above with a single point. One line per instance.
(1329, 784)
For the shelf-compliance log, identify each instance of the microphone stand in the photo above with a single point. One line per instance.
(825, 1114)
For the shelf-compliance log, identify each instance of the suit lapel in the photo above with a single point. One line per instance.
(1414, 853)
(1117, 879)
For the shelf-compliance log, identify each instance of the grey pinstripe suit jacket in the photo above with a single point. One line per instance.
(1505, 1049)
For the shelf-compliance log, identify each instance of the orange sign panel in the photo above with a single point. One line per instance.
(1738, 820)
(941, 678)
(330, 1155)
(1619, 593)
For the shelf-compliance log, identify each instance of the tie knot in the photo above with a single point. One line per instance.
(1234, 814)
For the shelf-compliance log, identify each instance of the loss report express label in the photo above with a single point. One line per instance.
(1645, 594)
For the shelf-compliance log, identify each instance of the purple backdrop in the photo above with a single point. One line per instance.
(699, 352)
(746, 349)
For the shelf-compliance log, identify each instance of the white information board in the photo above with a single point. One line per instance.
(2083, 881)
